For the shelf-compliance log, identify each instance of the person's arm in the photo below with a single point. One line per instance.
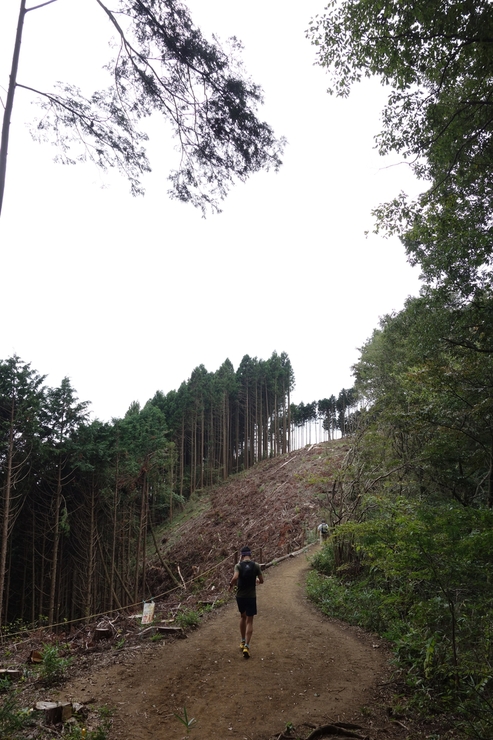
(260, 577)
(233, 581)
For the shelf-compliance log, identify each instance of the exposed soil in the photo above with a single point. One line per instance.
(304, 670)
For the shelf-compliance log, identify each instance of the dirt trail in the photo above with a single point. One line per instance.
(303, 668)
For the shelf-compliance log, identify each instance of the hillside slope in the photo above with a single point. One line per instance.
(274, 507)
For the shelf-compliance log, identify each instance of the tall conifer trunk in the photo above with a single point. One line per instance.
(56, 544)
(114, 534)
(9, 101)
(6, 511)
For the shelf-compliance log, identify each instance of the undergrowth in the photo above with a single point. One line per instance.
(187, 618)
(12, 717)
(54, 665)
(422, 578)
(18, 721)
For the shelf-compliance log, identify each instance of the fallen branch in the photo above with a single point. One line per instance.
(162, 561)
(396, 721)
(285, 557)
(287, 461)
(339, 729)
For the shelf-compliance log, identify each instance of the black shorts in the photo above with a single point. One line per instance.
(247, 606)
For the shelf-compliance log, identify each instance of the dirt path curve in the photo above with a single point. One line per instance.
(303, 668)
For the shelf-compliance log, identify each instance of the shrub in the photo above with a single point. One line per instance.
(12, 717)
(425, 583)
(187, 618)
(54, 666)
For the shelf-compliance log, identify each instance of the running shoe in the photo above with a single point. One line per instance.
(246, 651)
(242, 644)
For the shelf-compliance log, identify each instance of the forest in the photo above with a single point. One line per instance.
(413, 525)
(80, 498)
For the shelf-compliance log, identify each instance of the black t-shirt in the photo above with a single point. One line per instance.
(248, 570)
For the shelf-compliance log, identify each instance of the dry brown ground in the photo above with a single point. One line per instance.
(304, 670)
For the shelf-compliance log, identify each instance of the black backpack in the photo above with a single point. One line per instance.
(248, 574)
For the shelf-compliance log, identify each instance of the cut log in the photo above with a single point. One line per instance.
(170, 630)
(55, 712)
(294, 554)
(11, 673)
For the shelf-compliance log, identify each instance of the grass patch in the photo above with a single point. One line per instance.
(187, 619)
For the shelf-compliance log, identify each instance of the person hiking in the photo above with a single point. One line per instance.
(246, 574)
(323, 531)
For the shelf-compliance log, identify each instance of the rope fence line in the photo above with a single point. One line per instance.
(92, 617)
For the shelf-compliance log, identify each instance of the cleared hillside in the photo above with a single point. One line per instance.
(274, 507)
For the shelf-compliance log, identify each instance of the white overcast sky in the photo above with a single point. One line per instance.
(127, 296)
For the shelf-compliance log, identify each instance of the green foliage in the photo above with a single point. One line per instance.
(165, 67)
(80, 732)
(436, 59)
(53, 666)
(206, 608)
(75, 732)
(12, 717)
(98, 490)
(189, 724)
(13, 630)
(425, 583)
(427, 377)
(310, 535)
(187, 618)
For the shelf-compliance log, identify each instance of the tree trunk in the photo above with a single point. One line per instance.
(90, 555)
(140, 541)
(56, 543)
(171, 483)
(490, 478)
(284, 421)
(6, 511)
(182, 454)
(9, 102)
(193, 453)
(237, 433)
(113, 535)
(202, 432)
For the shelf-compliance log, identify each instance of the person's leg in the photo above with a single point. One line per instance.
(243, 626)
(248, 629)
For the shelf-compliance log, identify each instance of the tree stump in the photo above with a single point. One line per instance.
(11, 673)
(55, 712)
